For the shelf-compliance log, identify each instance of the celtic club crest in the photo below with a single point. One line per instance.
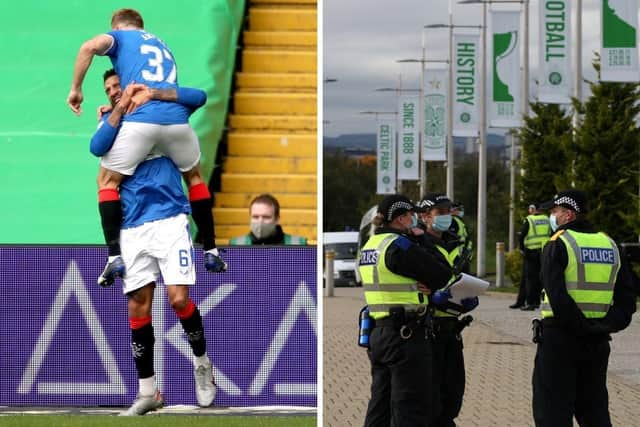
(434, 117)
(555, 78)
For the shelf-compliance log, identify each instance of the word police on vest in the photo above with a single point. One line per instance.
(597, 255)
(369, 257)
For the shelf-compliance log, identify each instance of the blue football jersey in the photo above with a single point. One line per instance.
(152, 193)
(140, 57)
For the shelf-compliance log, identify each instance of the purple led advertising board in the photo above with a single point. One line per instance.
(66, 341)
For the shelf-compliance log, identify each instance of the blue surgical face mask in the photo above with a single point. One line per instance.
(553, 222)
(441, 222)
(461, 214)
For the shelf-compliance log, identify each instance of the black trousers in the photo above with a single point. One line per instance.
(448, 372)
(533, 284)
(522, 289)
(401, 372)
(570, 379)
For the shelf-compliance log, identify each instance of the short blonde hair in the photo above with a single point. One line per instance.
(127, 17)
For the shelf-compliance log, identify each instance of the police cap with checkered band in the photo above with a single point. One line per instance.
(433, 200)
(393, 206)
(572, 199)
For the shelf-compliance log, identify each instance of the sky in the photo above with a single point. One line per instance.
(363, 39)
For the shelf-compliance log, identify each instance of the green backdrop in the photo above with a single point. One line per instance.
(47, 175)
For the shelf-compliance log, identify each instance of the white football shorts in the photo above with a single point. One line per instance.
(158, 247)
(135, 141)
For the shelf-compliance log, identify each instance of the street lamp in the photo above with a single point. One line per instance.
(482, 150)
(423, 163)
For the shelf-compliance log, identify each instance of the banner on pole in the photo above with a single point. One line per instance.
(386, 164)
(434, 127)
(408, 137)
(619, 52)
(555, 81)
(465, 85)
(505, 94)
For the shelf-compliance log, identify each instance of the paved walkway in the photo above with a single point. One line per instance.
(498, 355)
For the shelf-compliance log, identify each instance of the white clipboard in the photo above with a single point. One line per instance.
(467, 286)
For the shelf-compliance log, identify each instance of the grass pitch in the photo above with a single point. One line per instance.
(153, 421)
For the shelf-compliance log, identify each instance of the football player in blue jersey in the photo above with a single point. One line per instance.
(159, 126)
(155, 240)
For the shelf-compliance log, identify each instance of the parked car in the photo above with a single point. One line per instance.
(345, 246)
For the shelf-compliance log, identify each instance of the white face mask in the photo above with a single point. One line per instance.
(553, 222)
(262, 230)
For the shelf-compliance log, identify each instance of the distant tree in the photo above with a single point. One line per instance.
(607, 156)
(349, 190)
(545, 138)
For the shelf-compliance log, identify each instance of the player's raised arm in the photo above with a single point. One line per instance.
(98, 45)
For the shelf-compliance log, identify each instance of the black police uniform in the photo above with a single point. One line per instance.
(448, 358)
(570, 370)
(401, 369)
(531, 271)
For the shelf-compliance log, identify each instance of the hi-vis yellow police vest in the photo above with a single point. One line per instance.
(538, 234)
(451, 258)
(593, 264)
(462, 230)
(384, 289)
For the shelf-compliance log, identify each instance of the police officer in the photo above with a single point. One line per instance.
(394, 268)
(588, 294)
(521, 299)
(449, 371)
(459, 228)
(534, 234)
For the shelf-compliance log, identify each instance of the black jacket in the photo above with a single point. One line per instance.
(565, 310)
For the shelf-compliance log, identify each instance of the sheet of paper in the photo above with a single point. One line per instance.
(467, 287)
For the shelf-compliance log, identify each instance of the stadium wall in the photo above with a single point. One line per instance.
(66, 342)
(47, 175)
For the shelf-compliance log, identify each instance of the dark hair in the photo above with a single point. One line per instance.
(127, 17)
(267, 199)
(109, 73)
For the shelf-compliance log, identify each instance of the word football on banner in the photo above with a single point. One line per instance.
(619, 52)
(435, 115)
(555, 81)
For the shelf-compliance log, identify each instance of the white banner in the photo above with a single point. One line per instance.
(386, 164)
(408, 137)
(466, 77)
(554, 85)
(434, 141)
(619, 52)
(504, 108)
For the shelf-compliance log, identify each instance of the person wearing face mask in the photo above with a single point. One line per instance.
(449, 371)
(396, 274)
(588, 294)
(265, 225)
(534, 235)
